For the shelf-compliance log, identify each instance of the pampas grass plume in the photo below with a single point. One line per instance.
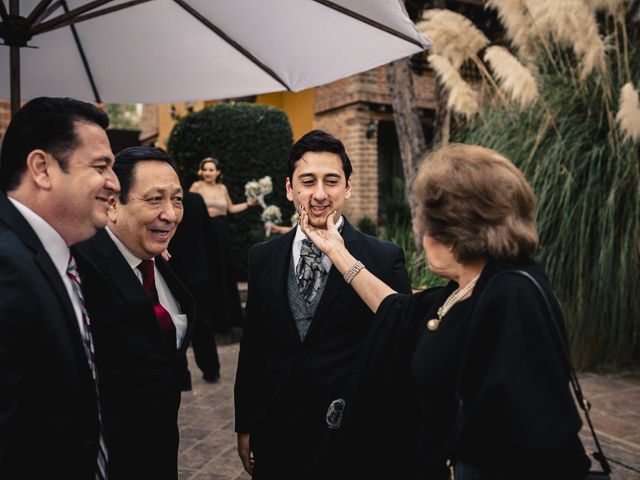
(612, 7)
(462, 98)
(512, 14)
(453, 35)
(628, 115)
(570, 23)
(513, 77)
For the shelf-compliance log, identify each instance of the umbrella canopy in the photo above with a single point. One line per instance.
(153, 51)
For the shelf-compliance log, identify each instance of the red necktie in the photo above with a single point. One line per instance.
(149, 284)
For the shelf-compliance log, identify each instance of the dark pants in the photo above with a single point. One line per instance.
(203, 342)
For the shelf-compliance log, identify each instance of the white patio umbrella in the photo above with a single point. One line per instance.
(153, 51)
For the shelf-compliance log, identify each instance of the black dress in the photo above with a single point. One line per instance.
(190, 251)
(520, 417)
(224, 293)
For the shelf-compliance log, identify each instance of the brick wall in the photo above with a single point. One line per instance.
(346, 108)
(370, 87)
(349, 124)
(149, 124)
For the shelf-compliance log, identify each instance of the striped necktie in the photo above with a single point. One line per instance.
(87, 343)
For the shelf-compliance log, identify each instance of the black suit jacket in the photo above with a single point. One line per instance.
(284, 385)
(48, 408)
(139, 367)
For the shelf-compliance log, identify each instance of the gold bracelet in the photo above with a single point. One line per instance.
(353, 271)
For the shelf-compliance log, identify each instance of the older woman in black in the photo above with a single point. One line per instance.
(476, 217)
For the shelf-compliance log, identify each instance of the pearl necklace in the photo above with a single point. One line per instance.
(457, 295)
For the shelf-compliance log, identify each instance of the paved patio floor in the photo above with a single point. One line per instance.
(208, 442)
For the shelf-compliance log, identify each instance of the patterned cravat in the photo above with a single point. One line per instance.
(87, 343)
(310, 271)
(149, 284)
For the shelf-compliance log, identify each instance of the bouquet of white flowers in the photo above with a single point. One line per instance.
(258, 189)
(294, 219)
(270, 216)
(266, 185)
(252, 189)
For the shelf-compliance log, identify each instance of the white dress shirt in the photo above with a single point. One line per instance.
(297, 246)
(56, 248)
(165, 297)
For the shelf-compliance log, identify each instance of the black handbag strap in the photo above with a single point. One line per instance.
(583, 403)
(555, 332)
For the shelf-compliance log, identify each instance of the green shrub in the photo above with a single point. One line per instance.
(251, 141)
(398, 230)
(393, 201)
(368, 226)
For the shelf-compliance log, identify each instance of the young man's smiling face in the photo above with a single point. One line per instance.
(319, 184)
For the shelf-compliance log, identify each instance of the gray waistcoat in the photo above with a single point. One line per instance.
(302, 311)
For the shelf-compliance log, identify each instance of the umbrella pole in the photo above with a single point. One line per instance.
(14, 62)
(15, 79)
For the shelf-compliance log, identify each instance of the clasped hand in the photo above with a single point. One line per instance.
(329, 240)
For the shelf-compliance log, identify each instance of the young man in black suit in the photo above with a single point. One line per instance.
(306, 331)
(56, 179)
(141, 347)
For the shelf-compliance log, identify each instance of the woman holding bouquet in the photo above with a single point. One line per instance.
(214, 192)
(219, 204)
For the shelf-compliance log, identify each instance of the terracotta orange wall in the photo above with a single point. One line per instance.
(166, 121)
(299, 107)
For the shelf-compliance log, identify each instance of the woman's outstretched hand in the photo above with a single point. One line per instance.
(328, 241)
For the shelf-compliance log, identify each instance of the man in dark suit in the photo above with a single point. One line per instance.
(142, 346)
(56, 179)
(190, 261)
(306, 330)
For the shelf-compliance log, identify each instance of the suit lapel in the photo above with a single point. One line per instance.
(275, 280)
(49, 270)
(335, 282)
(125, 281)
(12, 218)
(182, 296)
(118, 270)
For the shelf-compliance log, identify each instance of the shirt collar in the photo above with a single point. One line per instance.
(51, 240)
(131, 259)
